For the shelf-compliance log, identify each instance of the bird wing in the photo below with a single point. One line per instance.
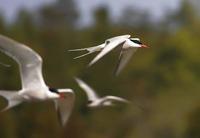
(108, 48)
(110, 44)
(119, 37)
(29, 61)
(91, 94)
(115, 98)
(124, 57)
(64, 107)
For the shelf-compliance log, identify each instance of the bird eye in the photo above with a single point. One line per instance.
(54, 90)
(136, 41)
(107, 42)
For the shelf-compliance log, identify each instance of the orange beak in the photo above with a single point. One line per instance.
(62, 95)
(144, 46)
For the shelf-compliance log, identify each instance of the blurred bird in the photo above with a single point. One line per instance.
(128, 48)
(33, 85)
(94, 100)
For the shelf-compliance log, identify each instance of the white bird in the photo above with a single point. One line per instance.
(33, 85)
(128, 48)
(94, 100)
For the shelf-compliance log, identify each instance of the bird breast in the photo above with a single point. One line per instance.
(38, 95)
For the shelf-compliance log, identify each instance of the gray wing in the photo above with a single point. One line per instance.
(115, 98)
(64, 107)
(119, 37)
(29, 61)
(91, 94)
(125, 56)
(110, 46)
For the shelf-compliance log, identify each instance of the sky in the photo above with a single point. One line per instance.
(157, 8)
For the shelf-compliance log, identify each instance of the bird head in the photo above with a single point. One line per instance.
(135, 42)
(61, 92)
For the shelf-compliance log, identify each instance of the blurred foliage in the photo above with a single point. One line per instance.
(162, 82)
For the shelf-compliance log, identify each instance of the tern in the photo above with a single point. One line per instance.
(128, 48)
(33, 85)
(94, 100)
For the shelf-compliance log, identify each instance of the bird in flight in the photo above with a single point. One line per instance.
(94, 100)
(128, 48)
(33, 85)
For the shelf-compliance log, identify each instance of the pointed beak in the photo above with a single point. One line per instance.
(62, 95)
(144, 46)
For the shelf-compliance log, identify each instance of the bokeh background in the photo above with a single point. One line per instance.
(162, 81)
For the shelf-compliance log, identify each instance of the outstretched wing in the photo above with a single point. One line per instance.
(91, 94)
(125, 56)
(115, 98)
(29, 61)
(64, 107)
(110, 45)
(119, 37)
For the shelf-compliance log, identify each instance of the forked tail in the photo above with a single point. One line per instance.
(82, 55)
(81, 49)
(89, 49)
(12, 97)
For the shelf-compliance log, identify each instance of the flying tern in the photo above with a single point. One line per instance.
(33, 85)
(128, 48)
(94, 100)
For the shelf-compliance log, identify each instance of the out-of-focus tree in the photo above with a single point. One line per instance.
(134, 18)
(24, 26)
(192, 131)
(2, 24)
(59, 14)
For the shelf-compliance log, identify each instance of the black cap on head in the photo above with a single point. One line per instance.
(54, 90)
(136, 41)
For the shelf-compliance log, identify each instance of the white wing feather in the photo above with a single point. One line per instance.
(29, 61)
(91, 94)
(64, 107)
(115, 98)
(110, 45)
(125, 56)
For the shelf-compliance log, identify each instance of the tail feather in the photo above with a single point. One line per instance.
(81, 49)
(12, 98)
(83, 55)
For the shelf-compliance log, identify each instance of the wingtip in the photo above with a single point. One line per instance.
(116, 73)
(79, 81)
(76, 79)
(92, 62)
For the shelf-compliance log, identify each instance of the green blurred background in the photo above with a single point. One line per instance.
(163, 79)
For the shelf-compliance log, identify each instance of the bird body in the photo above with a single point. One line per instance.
(128, 48)
(94, 100)
(33, 84)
